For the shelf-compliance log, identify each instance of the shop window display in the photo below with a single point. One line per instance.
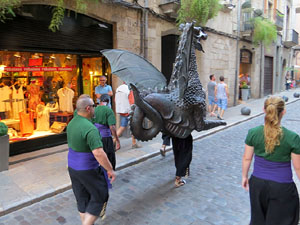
(36, 89)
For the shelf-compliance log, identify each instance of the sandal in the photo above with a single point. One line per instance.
(179, 182)
(163, 151)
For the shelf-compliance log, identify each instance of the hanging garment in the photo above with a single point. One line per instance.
(18, 103)
(34, 99)
(42, 119)
(66, 96)
(26, 124)
(53, 107)
(5, 104)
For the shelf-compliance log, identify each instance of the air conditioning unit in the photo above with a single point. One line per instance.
(227, 5)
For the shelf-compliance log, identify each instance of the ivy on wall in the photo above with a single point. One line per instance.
(7, 8)
(198, 10)
(264, 31)
(58, 13)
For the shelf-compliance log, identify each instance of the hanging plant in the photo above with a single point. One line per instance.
(264, 31)
(58, 13)
(198, 10)
(7, 8)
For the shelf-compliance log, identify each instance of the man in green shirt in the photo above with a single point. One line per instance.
(89, 184)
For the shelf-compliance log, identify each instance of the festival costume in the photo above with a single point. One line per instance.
(273, 194)
(89, 184)
(104, 117)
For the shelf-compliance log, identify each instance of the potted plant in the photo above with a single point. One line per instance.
(4, 147)
(245, 91)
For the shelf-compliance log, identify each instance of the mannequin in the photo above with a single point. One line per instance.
(66, 95)
(42, 119)
(18, 104)
(34, 98)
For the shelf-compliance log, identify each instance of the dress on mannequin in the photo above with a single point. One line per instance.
(18, 104)
(5, 93)
(66, 96)
(42, 119)
(34, 99)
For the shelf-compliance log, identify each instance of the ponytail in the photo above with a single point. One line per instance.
(274, 106)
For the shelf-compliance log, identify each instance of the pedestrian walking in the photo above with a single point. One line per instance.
(273, 193)
(105, 121)
(103, 88)
(222, 96)
(166, 142)
(88, 165)
(211, 94)
(124, 99)
(287, 81)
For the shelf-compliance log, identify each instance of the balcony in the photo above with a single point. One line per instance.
(279, 20)
(247, 24)
(170, 7)
(291, 38)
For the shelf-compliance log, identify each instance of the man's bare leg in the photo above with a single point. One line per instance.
(82, 217)
(120, 131)
(133, 140)
(89, 219)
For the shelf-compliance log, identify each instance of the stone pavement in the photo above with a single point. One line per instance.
(145, 194)
(38, 175)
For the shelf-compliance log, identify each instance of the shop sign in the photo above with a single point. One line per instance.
(36, 69)
(246, 56)
(36, 62)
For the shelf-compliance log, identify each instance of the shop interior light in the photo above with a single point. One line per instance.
(91, 73)
(36, 56)
(2, 68)
(69, 57)
(17, 54)
(52, 56)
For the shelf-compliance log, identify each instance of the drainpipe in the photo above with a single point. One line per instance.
(142, 33)
(261, 62)
(145, 11)
(237, 60)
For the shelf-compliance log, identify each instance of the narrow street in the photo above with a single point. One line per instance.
(145, 193)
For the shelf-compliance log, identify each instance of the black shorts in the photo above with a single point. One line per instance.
(108, 147)
(273, 203)
(90, 190)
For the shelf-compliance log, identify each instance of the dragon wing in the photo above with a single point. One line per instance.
(132, 68)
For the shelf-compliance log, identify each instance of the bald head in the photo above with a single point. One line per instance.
(84, 96)
(83, 102)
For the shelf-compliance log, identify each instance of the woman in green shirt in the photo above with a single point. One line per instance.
(273, 193)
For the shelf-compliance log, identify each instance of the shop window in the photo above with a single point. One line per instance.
(36, 90)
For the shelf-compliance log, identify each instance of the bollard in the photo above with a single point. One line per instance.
(4, 152)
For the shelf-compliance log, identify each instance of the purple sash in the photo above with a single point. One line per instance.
(82, 160)
(103, 129)
(280, 172)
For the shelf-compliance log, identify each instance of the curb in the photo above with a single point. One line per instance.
(127, 164)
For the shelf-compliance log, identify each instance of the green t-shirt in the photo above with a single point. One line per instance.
(82, 135)
(104, 115)
(289, 143)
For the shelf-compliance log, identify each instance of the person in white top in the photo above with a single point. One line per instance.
(123, 108)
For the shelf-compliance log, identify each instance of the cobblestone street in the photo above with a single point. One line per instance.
(145, 193)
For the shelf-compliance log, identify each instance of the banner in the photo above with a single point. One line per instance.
(37, 69)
